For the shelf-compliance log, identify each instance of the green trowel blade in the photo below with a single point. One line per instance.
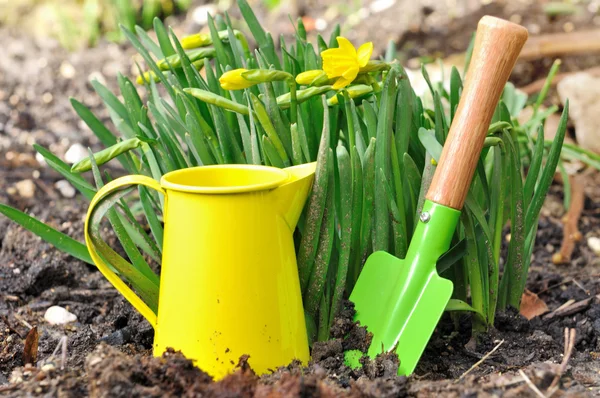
(401, 301)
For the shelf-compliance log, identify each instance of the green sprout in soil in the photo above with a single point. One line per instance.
(375, 142)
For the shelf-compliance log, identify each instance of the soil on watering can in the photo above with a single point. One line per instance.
(107, 351)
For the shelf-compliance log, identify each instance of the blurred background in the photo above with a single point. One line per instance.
(51, 49)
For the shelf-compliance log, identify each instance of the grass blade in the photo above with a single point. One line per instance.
(316, 284)
(59, 240)
(315, 209)
(344, 210)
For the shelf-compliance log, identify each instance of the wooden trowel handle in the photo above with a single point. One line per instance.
(497, 46)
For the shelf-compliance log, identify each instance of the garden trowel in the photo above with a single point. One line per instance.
(401, 301)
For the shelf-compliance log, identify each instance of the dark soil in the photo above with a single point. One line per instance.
(108, 349)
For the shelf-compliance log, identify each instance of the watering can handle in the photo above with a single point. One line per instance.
(100, 251)
(497, 47)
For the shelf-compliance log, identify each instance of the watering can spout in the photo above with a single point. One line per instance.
(291, 196)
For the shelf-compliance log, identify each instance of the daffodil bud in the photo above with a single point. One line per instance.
(194, 55)
(196, 40)
(310, 76)
(204, 39)
(267, 75)
(107, 154)
(284, 100)
(353, 92)
(214, 99)
(374, 66)
(151, 75)
(233, 80)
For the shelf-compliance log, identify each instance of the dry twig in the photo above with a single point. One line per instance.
(556, 44)
(569, 308)
(569, 345)
(486, 356)
(62, 345)
(531, 385)
(571, 233)
(22, 320)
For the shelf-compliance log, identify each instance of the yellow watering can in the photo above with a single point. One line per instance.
(229, 283)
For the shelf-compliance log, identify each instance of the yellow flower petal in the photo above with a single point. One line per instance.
(336, 62)
(346, 46)
(364, 54)
(341, 83)
(344, 62)
(350, 73)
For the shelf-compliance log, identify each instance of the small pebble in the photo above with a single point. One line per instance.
(75, 153)
(65, 188)
(49, 367)
(56, 315)
(25, 188)
(381, 5)
(200, 14)
(40, 159)
(47, 97)
(67, 70)
(594, 244)
(120, 337)
(320, 24)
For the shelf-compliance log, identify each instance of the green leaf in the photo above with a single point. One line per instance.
(382, 161)
(334, 34)
(357, 204)
(117, 221)
(459, 305)
(455, 90)
(163, 38)
(344, 215)
(404, 116)
(149, 61)
(150, 212)
(316, 284)
(452, 256)
(267, 125)
(431, 144)
(78, 182)
(548, 171)
(517, 266)
(104, 135)
(315, 209)
(412, 177)
(148, 42)
(533, 173)
(272, 154)
(144, 285)
(110, 100)
(368, 171)
(59, 240)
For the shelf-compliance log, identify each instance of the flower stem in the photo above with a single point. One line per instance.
(293, 101)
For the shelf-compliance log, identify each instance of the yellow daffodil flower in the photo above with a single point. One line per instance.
(344, 62)
(306, 78)
(233, 80)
